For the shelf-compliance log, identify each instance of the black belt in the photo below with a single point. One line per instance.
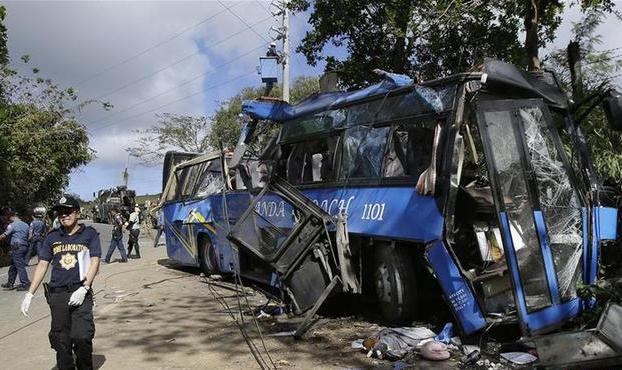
(65, 288)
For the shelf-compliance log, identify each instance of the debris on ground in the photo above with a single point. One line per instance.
(435, 351)
(597, 347)
(446, 334)
(394, 343)
(519, 358)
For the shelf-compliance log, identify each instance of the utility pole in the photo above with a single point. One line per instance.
(126, 175)
(285, 61)
(576, 76)
(282, 33)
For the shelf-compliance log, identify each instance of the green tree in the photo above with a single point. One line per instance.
(41, 141)
(226, 122)
(425, 38)
(171, 132)
(598, 70)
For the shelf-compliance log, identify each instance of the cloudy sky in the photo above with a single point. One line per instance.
(148, 57)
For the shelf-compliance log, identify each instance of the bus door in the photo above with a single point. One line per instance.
(289, 232)
(541, 212)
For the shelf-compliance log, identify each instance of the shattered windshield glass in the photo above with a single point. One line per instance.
(558, 200)
(509, 169)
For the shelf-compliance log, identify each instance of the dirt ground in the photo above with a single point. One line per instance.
(150, 315)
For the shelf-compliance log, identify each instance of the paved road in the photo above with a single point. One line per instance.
(149, 315)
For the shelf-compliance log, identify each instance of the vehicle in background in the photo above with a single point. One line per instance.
(119, 198)
(366, 191)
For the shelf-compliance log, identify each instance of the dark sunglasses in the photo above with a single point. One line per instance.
(65, 211)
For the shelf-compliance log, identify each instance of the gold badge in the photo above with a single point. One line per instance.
(68, 261)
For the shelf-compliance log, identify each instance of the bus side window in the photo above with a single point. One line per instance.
(210, 181)
(312, 161)
(410, 150)
(363, 152)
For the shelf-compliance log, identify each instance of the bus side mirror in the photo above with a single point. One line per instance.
(612, 105)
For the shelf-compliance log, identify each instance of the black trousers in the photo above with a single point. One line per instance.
(72, 330)
(133, 242)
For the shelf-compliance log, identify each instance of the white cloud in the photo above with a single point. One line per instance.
(72, 41)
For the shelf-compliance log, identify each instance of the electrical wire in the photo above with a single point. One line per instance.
(237, 58)
(263, 343)
(251, 345)
(186, 57)
(94, 294)
(245, 23)
(175, 101)
(608, 50)
(264, 8)
(160, 43)
(604, 59)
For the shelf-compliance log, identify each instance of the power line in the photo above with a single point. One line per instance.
(599, 60)
(115, 65)
(243, 21)
(176, 101)
(237, 58)
(177, 62)
(608, 50)
(266, 9)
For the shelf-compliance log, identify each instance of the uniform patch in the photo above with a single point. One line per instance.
(68, 261)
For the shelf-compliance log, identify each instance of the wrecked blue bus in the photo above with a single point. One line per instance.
(464, 176)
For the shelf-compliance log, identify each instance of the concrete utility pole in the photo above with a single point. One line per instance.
(576, 76)
(285, 61)
(282, 33)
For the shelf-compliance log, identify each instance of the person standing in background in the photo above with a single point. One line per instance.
(134, 227)
(36, 232)
(18, 232)
(116, 241)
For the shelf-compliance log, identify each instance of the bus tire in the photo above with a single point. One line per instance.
(208, 260)
(395, 284)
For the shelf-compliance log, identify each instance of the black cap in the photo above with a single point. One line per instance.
(66, 202)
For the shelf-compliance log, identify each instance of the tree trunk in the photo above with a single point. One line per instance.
(531, 34)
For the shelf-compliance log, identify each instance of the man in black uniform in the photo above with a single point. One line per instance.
(74, 251)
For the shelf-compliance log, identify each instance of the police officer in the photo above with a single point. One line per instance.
(73, 250)
(37, 231)
(116, 241)
(18, 232)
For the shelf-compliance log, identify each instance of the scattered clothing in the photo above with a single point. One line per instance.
(435, 351)
(395, 343)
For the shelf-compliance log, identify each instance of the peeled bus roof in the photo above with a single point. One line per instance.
(496, 76)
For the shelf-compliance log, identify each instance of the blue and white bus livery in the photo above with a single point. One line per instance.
(464, 175)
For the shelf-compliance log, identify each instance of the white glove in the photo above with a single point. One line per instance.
(78, 296)
(26, 303)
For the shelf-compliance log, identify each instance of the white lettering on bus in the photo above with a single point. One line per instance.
(270, 209)
(373, 211)
(277, 209)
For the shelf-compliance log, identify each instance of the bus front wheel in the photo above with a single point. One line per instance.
(207, 256)
(395, 283)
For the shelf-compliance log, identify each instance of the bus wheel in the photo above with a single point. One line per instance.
(395, 282)
(207, 256)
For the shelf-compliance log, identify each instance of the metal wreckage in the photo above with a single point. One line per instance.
(119, 197)
(465, 176)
